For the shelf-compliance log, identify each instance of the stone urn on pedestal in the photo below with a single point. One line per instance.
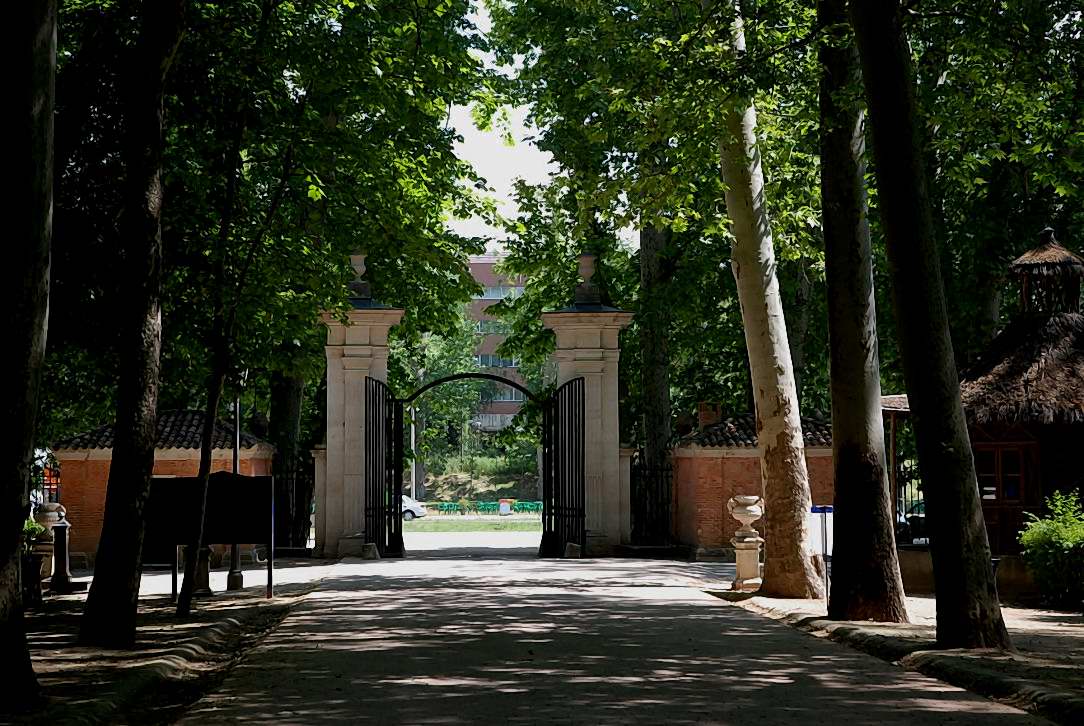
(747, 541)
(48, 516)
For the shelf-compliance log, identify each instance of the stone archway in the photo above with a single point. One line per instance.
(357, 347)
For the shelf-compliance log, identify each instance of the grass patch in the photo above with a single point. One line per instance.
(451, 524)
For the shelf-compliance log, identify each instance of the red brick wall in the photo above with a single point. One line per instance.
(83, 484)
(704, 484)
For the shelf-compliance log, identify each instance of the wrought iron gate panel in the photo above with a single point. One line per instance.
(652, 495)
(395, 482)
(379, 405)
(564, 514)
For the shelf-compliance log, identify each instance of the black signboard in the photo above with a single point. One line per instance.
(240, 510)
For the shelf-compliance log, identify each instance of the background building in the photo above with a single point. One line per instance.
(495, 414)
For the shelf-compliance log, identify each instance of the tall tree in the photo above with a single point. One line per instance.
(968, 614)
(866, 582)
(294, 495)
(26, 296)
(110, 615)
(653, 325)
(789, 570)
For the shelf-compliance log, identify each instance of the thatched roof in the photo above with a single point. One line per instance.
(1033, 372)
(1049, 258)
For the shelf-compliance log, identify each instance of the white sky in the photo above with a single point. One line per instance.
(499, 164)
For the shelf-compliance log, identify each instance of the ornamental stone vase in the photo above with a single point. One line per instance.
(746, 509)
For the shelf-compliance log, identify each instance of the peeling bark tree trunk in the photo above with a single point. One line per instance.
(968, 614)
(110, 616)
(654, 327)
(26, 298)
(789, 570)
(798, 323)
(866, 583)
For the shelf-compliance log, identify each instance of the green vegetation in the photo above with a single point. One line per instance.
(473, 525)
(1053, 547)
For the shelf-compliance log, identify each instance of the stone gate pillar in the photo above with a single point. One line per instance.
(355, 349)
(587, 346)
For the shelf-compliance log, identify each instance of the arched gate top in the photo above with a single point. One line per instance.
(464, 376)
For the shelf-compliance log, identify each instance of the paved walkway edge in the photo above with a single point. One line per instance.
(960, 668)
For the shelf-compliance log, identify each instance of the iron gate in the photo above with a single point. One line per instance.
(563, 508)
(651, 499)
(383, 469)
(563, 496)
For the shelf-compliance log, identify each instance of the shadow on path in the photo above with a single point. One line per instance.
(501, 640)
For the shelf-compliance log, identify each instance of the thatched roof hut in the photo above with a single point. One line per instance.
(1050, 276)
(1033, 372)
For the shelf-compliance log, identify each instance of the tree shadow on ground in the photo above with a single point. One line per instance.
(500, 641)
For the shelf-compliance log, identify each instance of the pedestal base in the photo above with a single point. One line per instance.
(352, 546)
(747, 563)
(235, 580)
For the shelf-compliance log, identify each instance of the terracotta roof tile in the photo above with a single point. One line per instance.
(176, 430)
(740, 432)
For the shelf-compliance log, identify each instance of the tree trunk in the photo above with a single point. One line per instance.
(110, 615)
(654, 327)
(798, 323)
(215, 382)
(26, 290)
(295, 495)
(789, 569)
(968, 614)
(866, 583)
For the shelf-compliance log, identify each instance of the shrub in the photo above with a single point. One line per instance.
(1053, 548)
(31, 530)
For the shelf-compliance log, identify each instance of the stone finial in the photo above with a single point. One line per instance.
(746, 509)
(587, 292)
(359, 286)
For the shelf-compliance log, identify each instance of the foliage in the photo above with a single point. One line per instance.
(627, 101)
(297, 133)
(31, 531)
(1053, 548)
(1003, 95)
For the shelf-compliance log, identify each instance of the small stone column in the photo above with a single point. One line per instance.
(587, 346)
(357, 347)
(746, 509)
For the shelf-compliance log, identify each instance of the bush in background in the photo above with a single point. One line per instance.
(1053, 548)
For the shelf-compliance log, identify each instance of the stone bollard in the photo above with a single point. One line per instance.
(48, 515)
(746, 509)
(61, 581)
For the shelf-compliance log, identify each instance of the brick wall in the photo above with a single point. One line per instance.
(704, 482)
(83, 485)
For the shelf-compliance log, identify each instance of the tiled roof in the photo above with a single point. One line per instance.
(176, 430)
(741, 432)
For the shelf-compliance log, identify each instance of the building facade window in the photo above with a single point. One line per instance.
(500, 292)
(492, 327)
(507, 393)
(487, 360)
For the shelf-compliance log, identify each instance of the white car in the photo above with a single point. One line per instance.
(412, 508)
